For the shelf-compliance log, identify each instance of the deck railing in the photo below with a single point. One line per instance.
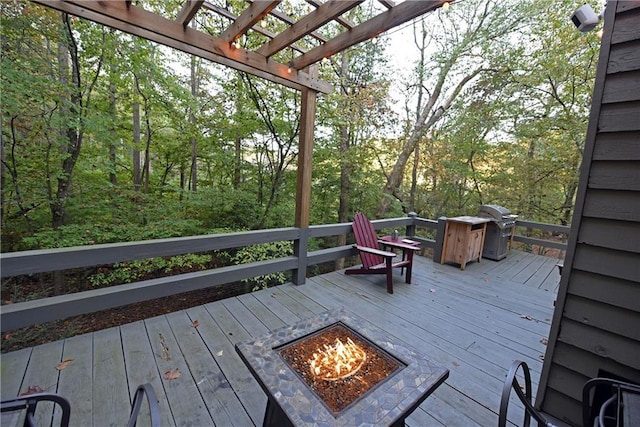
(538, 237)
(428, 232)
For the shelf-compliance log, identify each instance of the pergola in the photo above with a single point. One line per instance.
(301, 38)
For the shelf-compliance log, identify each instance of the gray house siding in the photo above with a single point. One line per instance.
(596, 325)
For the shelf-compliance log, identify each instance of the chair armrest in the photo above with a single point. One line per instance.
(373, 251)
(399, 245)
(154, 410)
(511, 382)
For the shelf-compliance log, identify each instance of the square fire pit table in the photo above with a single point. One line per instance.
(281, 362)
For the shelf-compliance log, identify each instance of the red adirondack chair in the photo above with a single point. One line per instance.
(377, 261)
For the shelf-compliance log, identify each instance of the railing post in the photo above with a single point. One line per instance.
(411, 228)
(437, 250)
(301, 251)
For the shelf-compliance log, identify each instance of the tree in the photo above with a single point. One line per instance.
(456, 44)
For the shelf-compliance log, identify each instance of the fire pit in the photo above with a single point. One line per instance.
(338, 364)
(338, 369)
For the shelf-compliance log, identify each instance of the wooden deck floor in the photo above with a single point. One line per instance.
(474, 322)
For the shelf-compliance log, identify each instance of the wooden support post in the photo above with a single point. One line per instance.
(303, 188)
(440, 236)
(411, 228)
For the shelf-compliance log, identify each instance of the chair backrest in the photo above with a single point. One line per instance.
(366, 236)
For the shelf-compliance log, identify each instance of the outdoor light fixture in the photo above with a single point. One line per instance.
(585, 19)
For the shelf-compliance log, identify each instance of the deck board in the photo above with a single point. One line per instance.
(474, 322)
(75, 384)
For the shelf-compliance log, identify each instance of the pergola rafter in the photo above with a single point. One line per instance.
(175, 32)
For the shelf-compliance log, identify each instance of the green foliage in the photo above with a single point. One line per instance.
(132, 271)
(513, 135)
(262, 252)
(93, 234)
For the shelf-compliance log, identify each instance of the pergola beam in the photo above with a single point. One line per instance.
(248, 19)
(257, 28)
(188, 11)
(309, 23)
(379, 24)
(387, 3)
(342, 21)
(289, 21)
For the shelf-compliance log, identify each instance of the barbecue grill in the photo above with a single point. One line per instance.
(499, 231)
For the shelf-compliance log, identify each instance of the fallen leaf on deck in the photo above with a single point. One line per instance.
(220, 353)
(432, 290)
(544, 341)
(32, 389)
(195, 323)
(7, 336)
(172, 374)
(165, 349)
(541, 357)
(526, 316)
(60, 366)
(454, 363)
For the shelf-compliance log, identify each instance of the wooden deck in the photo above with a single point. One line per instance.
(474, 322)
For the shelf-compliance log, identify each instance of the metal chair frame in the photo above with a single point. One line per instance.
(30, 402)
(525, 397)
(617, 388)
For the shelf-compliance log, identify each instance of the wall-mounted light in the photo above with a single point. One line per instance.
(585, 19)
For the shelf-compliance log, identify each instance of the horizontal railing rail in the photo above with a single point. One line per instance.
(552, 228)
(21, 314)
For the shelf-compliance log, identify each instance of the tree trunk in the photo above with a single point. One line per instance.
(192, 118)
(137, 181)
(414, 179)
(2, 181)
(112, 141)
(237, 169)
(345, 166)
(72, 135)
(428, 117)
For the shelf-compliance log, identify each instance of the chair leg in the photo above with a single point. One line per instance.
(389, 275)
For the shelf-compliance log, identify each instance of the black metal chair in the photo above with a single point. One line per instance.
(620, 406)
(30, 402)
(614, 403)
(510, 383)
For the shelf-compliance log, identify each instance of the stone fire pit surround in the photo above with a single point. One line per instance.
(390, 401)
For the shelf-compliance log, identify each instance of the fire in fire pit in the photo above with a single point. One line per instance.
(337, 361)
(339, 365)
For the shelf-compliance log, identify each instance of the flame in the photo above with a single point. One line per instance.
(337, 361)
